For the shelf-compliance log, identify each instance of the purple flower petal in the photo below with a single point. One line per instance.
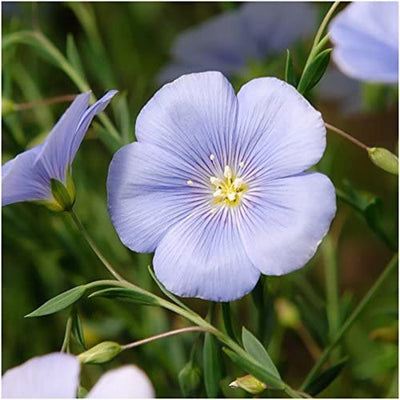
(286, 220)
(123, 383)
(203, 256)
(366, 39)
(280, 132)
(54, 376)
(193, 117)
(148, 193)
(27, 176)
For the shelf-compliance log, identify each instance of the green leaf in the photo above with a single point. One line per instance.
(323, 380)
(77, 330)
(212, 365)
(370, 207)
(254, 368)
(73, 55)
(253, 346)
(59, 302)
(290, 76)
(134, 296)
(314, 72)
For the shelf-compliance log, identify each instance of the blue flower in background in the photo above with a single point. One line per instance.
(28, 176)
(56, 376)
(366, 41)
(216, 185)
(229, 41)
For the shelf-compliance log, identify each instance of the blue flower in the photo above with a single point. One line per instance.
(216, 185)
(229, 41)
(366, 41)
(56, 376)
(28, 176)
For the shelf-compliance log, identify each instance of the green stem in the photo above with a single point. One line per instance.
(226, 314)
(331, 282)
(351, 319)
(93, 246)
(67, 335)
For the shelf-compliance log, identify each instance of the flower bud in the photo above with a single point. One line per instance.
(384, 159)
(249, 383)
(63, 196)
(287, 313)
(101, 353)
(189, 379)
(7, 107)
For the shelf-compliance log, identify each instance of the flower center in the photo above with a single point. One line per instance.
(228, 190)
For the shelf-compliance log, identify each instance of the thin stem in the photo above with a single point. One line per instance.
(309, 342)
(164, 335)
(351, 319)
(347, 136)
(226, 314)
(331, 284)
(67, 335)
(291, 392)
(86, 235)
(52, 100)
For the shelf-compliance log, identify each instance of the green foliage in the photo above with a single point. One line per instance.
(212, 366)
(134, 296)
(59, 302)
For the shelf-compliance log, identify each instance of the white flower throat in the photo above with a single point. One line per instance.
(228, 190)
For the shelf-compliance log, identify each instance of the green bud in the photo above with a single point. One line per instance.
(63, 196)
(287, 313)
(384, 159)
(249, 383)
(7, 106)
(82, 392)
(101, 353)
(189, 379)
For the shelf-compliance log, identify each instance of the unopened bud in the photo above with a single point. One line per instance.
(101, 353)
(7, 107)
(287, 313)
(189, 379)
(63, 196)
(384, 159)
(249, 383)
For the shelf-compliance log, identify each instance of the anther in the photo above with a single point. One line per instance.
(212, 157)
(190, 183)
(228, 172)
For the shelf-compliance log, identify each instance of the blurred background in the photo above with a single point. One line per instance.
(135, 48)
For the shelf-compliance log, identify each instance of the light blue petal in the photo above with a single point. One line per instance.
(273, 27)
(53, 376)
(279, 132)
(23, 180)
(54, 154)
(123, 383)
(148, 193)
(203, 256)
(193, 117)
(221, 43)
(285, 221)
(365, 36)
(61, 145)
(175, 69)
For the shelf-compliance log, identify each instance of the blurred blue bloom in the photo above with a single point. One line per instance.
(56, 375)
(366, 41)
(229, 41)
(27, 177)
(215, 184)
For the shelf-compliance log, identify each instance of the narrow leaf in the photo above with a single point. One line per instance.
(59, 302)
(73, 55)
(290, 76)
(127, 295)
(252, 367)
(77, 330)
(212, 366)
(254, 347)
(323, 380)
(314, 72)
